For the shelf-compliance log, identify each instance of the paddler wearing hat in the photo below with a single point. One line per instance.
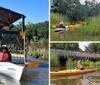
(61, 25)
(5, 56)
(79, 65)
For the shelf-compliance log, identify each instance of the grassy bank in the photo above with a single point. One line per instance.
(54, 62)
(38, 50)
(90, 28)
(56, 18)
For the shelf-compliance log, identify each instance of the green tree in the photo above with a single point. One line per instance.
(93, 47)
(66, 46)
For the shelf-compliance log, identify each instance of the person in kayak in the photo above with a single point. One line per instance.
(62, 32)
(73, 23)
(61, 25)
(5, 55)
(79, 66)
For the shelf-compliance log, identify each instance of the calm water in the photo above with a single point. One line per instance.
(87, 79)
(31, 76)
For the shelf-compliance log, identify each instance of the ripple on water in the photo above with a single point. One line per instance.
(5, 80)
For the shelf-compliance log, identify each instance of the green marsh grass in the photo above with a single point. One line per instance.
(56, 18)
(54, 62)
(39, 50)
(90, 28)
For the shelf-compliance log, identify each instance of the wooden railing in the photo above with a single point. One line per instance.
(75, 54)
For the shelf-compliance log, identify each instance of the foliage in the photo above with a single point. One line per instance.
(56, 18)
(74, 10)
(35, 33)
(90, 28)
(70, 63)
(93, 47)
(54, 60)
(66, 46)
(38, 50)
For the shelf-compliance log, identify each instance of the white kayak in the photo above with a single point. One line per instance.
(61, 29)
(11, 70)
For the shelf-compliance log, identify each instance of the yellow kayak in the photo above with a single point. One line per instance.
(72, 72)
(54, 27)
(75, 26)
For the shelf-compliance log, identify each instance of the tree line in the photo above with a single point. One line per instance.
(66, 46)
(74, 10)
(35, 33)
(91, 48)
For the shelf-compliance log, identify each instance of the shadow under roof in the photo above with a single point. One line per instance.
(7, 17)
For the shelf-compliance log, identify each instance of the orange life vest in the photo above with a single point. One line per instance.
(79, 65)
(4, 57)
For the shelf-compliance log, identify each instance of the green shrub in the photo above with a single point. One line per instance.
(54, 62)
(56, 18)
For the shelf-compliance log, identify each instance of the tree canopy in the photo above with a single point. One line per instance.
(66, 46)
(93, 48)
(35, 32)
(74, 10)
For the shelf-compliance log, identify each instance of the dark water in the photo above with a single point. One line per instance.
(86, 79)
(31, 76)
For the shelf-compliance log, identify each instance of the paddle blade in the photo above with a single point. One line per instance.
(32, 64)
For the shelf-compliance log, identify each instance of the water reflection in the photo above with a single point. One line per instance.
(90, 79)
(37, 76)
(87, 79)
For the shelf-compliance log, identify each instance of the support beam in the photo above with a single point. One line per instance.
(23, 29)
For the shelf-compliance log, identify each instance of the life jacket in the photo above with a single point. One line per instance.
(79, 65)
(4, 57)
(73, 23)
(61, 26)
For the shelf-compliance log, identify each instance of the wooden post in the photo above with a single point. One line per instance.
(23, 29)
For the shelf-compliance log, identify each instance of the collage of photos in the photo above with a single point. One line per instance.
(50, 42)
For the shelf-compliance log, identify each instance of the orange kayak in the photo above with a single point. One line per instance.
(72, 72)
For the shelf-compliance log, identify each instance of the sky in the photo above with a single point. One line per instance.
(35, 10)
(83, 44)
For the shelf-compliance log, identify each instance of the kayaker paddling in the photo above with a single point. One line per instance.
(61, 25)
(5, 55)
(62, 32)
(79, 66)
